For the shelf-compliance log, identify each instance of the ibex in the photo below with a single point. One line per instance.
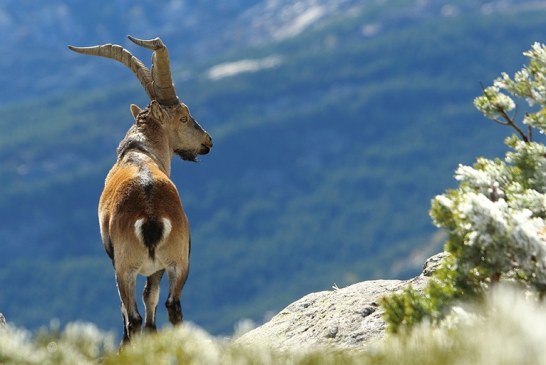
(143, 226)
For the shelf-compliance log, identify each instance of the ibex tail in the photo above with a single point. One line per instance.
(151, 232)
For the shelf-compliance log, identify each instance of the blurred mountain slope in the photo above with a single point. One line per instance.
(334, 124)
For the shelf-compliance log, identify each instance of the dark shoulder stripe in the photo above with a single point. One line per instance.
(128, 145)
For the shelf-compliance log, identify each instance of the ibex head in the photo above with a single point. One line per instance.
(180, 133)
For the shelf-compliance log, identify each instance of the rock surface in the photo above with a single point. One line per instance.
(433, 263)
(349, 318)
(2, 320)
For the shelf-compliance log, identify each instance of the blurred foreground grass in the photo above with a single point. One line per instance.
(507, 329)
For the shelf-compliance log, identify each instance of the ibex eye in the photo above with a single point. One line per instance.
(184, 119)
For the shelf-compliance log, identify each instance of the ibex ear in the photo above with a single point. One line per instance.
(135, 110)
(156, 110)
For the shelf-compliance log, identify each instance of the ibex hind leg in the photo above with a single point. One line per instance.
(177, 279)
(125, 333)
(132, 321)
(150, 297)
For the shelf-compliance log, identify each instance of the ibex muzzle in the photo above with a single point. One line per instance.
(143, 226)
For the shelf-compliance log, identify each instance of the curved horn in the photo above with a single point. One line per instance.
(122, 55)
(161, 70)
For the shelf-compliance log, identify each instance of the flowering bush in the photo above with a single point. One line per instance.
(495, 219)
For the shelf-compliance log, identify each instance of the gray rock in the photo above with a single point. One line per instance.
(348, 318)
(433, 263)
(343, 318)
(2, 320)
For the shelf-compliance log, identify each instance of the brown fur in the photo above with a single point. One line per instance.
(124, 201)
(143, 225)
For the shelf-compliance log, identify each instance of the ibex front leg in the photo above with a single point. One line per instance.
(177, 279)
(132, 321)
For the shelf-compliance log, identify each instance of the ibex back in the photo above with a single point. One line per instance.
(143, 226)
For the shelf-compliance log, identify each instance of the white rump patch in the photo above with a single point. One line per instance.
(138, 229)
(167, 227)
(150, 265)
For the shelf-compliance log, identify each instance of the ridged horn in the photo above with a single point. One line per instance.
(161, 70)
(118, 53)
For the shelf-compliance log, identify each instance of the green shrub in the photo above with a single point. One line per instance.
(495, 218)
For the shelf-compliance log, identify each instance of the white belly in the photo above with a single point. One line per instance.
(150, 266)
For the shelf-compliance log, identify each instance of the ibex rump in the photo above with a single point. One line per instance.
(143, 226)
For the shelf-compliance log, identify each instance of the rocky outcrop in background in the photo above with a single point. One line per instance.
(345, 318)
(2, 320)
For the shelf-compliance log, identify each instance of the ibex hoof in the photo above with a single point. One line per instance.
(175, 311)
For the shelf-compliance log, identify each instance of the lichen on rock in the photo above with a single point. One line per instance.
(346, 318)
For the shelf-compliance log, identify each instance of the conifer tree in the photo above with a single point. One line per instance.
(495, 219)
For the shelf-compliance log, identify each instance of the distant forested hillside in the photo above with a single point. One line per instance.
(326, 157)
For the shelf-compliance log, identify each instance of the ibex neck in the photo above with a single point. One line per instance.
(136, 141)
